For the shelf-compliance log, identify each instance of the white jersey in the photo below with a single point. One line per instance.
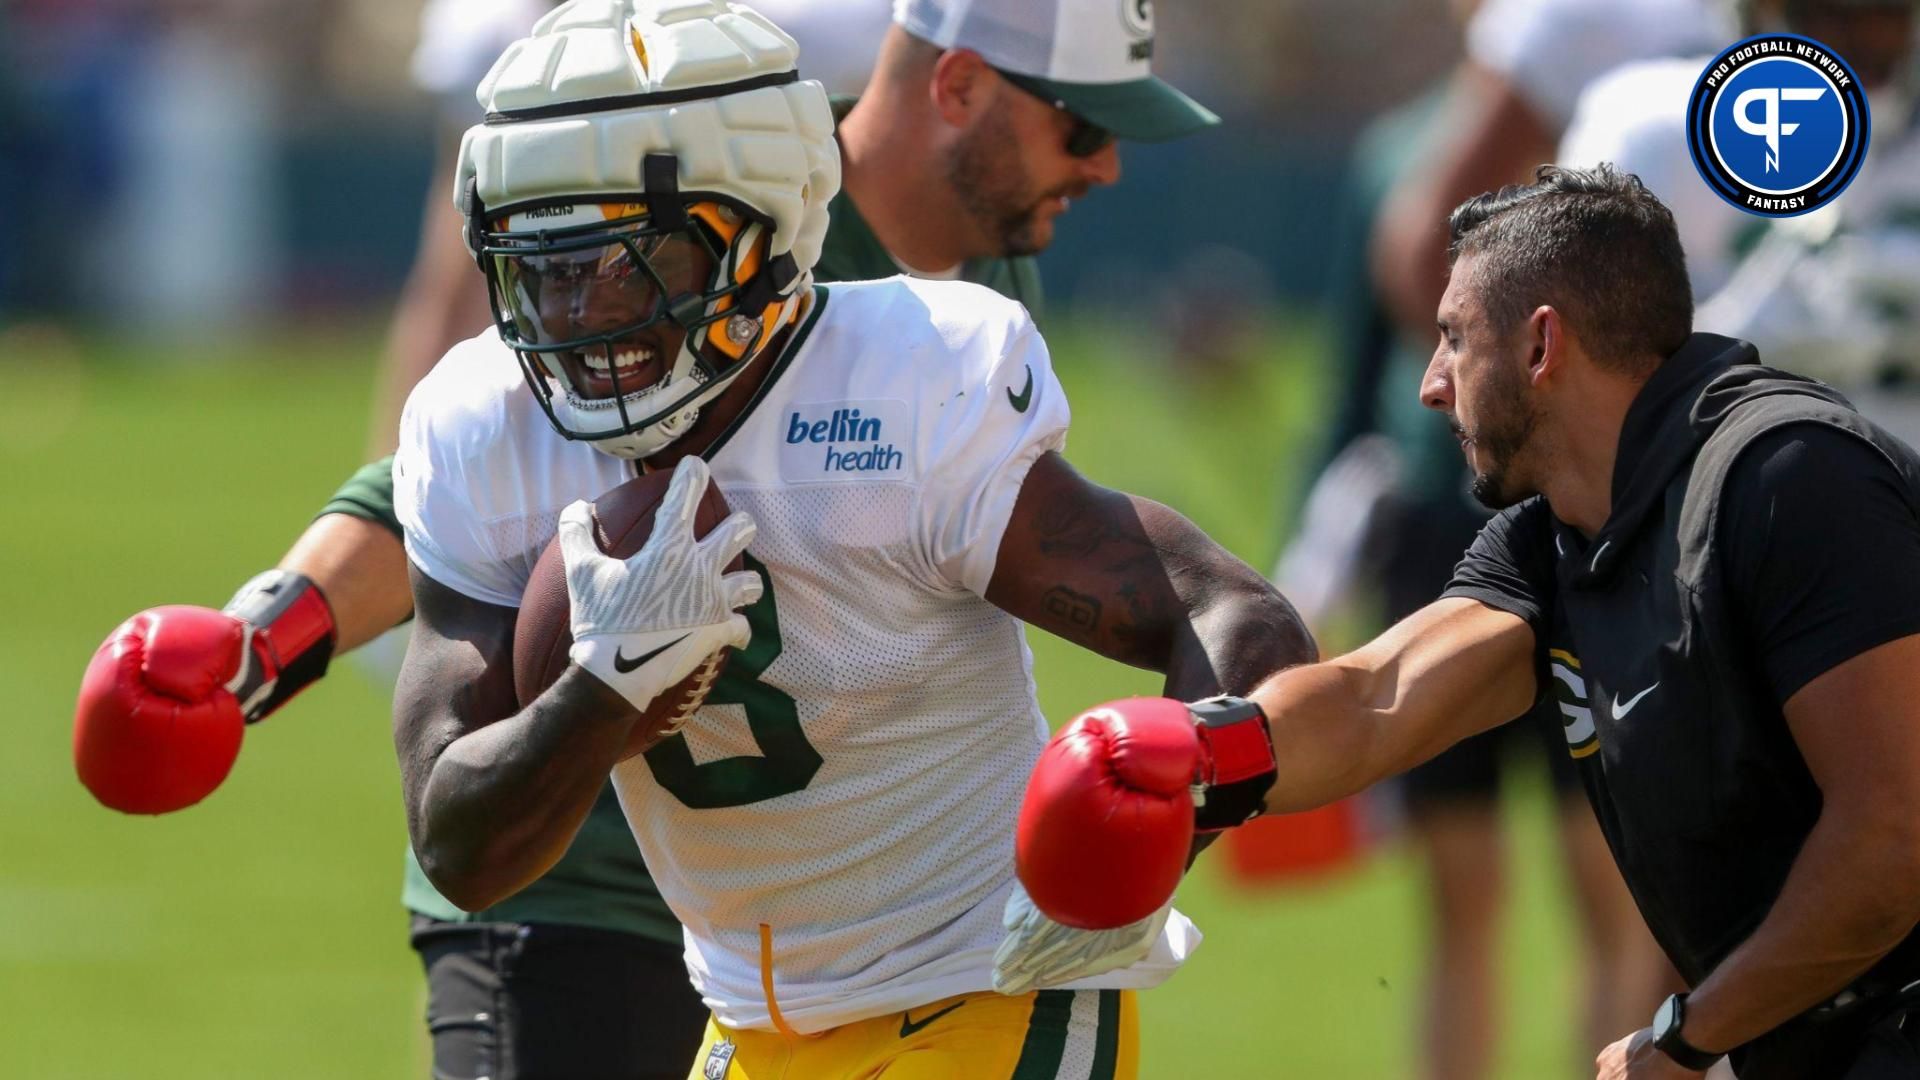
(1832, 293)
(1636, 118)
(1835, 293)
(850, 788)
(1551, 50)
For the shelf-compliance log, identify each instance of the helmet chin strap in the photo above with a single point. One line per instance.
(660, 434)
(648, 441)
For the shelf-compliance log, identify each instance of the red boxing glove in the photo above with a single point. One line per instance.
(1113, 803)
(156, 728)
(164, 700)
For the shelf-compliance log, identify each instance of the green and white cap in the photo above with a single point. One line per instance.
(1093, 56)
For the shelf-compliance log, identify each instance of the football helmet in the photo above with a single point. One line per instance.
(645, 162)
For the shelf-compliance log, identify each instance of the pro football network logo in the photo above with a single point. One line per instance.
(1778, 125)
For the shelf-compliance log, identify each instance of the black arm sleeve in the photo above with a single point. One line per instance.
(368, 495)
(1821, 549)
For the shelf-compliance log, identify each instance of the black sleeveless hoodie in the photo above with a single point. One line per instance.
(1685, 754)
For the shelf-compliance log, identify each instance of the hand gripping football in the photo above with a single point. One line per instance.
(623, 520)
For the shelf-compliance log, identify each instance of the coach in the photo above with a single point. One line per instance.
(1713, 567)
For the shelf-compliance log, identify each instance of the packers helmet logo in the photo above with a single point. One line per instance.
(1138, 15)
(1570, 693)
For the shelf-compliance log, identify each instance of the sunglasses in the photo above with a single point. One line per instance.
(1085, 138)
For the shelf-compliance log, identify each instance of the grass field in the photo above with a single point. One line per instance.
(260, 933)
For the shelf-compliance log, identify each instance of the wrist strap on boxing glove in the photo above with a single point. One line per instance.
(1239, 767)
(290, 636)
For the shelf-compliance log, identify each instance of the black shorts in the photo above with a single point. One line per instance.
(510, 1001)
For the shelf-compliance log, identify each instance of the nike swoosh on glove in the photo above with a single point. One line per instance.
(672, 603)
(1038, 953)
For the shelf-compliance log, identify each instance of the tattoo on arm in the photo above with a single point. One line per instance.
(1099, 536)
(1075, 609)
(1138, 583)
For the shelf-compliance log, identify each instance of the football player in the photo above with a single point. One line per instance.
(834, 828)
(1834, 293)
(1512, 96)
(349, 562)
(521, 989)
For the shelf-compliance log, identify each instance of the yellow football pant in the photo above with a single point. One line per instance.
(1048, 1035)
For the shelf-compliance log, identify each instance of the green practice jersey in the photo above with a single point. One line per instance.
(1379, 370)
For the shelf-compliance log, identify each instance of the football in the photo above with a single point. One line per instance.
(622, 521)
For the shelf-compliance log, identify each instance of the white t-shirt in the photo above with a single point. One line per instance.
(1830, 293)
(853, 782)
(1636, 118)
(1550, 50)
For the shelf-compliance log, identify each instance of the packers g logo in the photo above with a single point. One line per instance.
(1570, 693)
(1138, 15)
(1777, 125)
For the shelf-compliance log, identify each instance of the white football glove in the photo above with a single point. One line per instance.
(1039, 953)
(644, 623)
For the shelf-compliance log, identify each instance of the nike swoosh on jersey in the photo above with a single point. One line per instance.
(623, 665)
(908, 1027)
(1620, 710)
(1024, 398)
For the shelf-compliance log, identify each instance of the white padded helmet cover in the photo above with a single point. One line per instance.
(770, 147)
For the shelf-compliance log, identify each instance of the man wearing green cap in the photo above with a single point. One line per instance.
(982, 121)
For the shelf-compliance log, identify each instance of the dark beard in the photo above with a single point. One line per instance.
(985, 173)
(1488, 489)
(1501, 436)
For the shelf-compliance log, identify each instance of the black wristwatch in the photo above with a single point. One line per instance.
(1666, 1036)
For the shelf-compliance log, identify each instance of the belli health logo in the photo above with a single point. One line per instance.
(1778, 125)
(851, 441)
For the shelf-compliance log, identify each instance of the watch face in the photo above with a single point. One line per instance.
(1667, 1017)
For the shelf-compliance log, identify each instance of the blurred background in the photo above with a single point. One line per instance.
(214, 208)
(196, 166)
